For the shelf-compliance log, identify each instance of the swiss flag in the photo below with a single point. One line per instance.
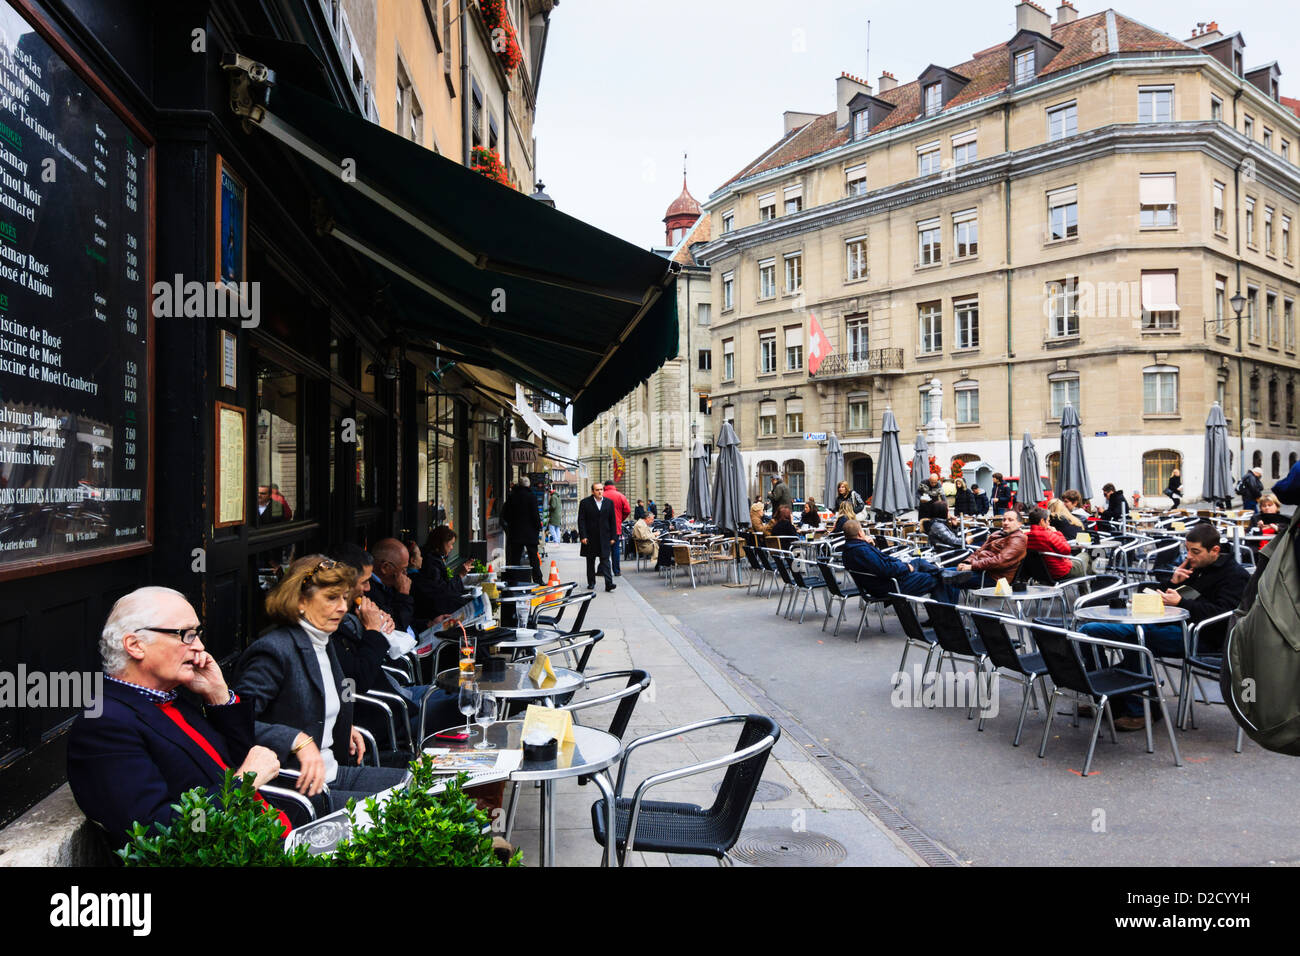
(818, 347)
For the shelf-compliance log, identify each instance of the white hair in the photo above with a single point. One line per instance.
(524, 481)
(130, 613)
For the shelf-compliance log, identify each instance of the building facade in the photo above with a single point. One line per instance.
(1066, 217)
(654, 427)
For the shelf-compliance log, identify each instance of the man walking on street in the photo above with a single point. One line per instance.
(780, 494)
(554, 515)
(622, 508)
(596, 532)
(1250, 488)
(523, 527)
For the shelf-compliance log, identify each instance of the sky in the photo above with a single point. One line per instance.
(628, 86)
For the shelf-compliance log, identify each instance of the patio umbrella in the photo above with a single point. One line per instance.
(893, 494)
(1217, 484)
(920, 466)
(834, 471)
(697, 497)
(730, 503)
(1074, 470)
(1031, 483)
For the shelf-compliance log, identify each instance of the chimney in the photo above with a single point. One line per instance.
(1066, 13)
(1030, 16)
(1204, 34)
(847, 86)
(887, 81)
(794, 119)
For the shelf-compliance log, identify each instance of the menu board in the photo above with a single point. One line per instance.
(74, 310)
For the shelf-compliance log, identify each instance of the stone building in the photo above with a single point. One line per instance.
(1064, 217)
(655, 424)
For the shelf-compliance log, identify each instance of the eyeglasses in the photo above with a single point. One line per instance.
(187, 635)
(326, 565)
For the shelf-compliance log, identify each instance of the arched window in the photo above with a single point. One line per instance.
(1054, 473)
(794, 478)
(967, 457)
(645, 475)
(1277, 465)
(1257, 460)
(1290, 462)
(863, 478)
(1157, 466)
(766, 471)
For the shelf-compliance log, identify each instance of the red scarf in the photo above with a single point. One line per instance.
(169, 708)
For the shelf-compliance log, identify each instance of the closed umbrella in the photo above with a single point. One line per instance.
(1217, 484)
(730, 504)
(1031, 483)
(920, 465)
(834, 471)
(697, 496)
(893, 492)
(1074, 470)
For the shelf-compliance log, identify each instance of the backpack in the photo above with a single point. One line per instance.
(1260, 677)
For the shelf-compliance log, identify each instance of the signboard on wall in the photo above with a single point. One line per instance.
(75, 322)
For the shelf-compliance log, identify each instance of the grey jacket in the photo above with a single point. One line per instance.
(280, 676)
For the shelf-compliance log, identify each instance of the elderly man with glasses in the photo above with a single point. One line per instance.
(150, 745)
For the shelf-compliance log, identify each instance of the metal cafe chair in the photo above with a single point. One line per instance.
(952, 640)
(1025, 669)
(1061, 653)
(807, 585)
(580, 599)
(684, 556)
(672, 827)
(836, 592)
(1199, 663)
(778, 559)
(913, 633)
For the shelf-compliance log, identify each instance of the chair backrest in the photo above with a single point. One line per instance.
(992, 631)
(751, 555)
(682, 554)
(779, 564)
(736, 792)
(583, 641)
(906, 611)
(945, 621)
(1062, 659)
(1034, 568)
(828, 575)
(637, 681)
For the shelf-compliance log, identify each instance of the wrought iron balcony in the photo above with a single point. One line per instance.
(551, 413)
(846, 364)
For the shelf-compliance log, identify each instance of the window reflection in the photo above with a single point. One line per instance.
(278, 445)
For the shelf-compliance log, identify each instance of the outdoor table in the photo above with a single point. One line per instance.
(515, 684)
(513, 638)
(1016, 600)
(1125, 615)
(591, 754)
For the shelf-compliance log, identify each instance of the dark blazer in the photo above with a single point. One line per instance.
(132, 762)
(596, 524)
(400, 607)
(362, 654)
(520, 514)
(434, 593)
(279, 676)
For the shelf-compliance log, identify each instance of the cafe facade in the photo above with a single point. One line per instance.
(240, 323)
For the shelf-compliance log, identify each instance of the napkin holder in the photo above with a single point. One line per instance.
(1118, 604)
(1083, 537)
(539, 752)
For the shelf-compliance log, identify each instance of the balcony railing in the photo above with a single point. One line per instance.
(861, 363)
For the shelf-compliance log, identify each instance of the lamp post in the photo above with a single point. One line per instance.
(1238, 303)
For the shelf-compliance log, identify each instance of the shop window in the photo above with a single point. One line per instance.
(1157, 467)
(278, 438)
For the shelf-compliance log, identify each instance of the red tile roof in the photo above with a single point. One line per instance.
(988, 71)
(702, 231)
(1292, 105)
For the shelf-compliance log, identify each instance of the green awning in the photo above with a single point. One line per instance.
(483, 270)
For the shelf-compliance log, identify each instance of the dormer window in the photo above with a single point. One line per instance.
(860, 124)
(1024, 66)
(933, 98)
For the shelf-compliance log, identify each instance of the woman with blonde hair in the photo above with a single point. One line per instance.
(1060, 518)
(294, 679)
(845, 513)
(844, 493)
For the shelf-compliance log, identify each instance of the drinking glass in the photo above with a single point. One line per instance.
(485, 715)
(467, 702)
(468, 647)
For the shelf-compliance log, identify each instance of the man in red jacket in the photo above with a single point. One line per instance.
(1051, 544)
(622, 508)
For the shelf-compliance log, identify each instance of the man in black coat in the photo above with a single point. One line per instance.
(523, 524)
(130, 763)
(597, 534)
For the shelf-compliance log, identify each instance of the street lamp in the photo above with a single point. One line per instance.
(1238, 303)
(539, 193)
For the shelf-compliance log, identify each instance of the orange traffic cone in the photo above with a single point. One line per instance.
(489, 571)
(555, 576)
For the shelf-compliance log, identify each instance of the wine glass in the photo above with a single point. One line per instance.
(467, 702)
(485, 715)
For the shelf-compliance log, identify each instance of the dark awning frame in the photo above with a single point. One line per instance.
(628, 317)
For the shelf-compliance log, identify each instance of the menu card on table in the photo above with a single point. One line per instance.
(542, 674)
(1148, 604)
(551, 721)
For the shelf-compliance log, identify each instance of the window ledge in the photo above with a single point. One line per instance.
(856, 281)
(766, 298)
(929, 356)
(1061, 341)
(1060, 242)
(959, 259)
(1173, 228)
(967, 424)
(964, 353)
(1160, 332)
(1223, 337)
(1220, 235)
(1162, 416)
(921, 266)
(766, 375)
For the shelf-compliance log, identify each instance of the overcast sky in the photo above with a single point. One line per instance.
(628, 86)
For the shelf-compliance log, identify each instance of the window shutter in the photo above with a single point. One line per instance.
(1160, 291)
(1157, 190)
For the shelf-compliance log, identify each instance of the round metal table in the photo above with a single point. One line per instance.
(591, 753)
(1125, 615)
(514, 683)
(1017, 599)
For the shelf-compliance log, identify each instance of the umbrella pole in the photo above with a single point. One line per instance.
(735, 554)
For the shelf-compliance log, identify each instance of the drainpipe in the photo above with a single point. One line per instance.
(465, 92)
(1006, 206)
(1241, 368)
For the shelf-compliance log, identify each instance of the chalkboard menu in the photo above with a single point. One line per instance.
(74, 310)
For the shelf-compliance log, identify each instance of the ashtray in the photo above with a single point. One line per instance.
(544, 751)
(1118, 604)
(1019, 587)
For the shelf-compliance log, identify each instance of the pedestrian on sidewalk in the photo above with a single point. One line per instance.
(622, 508)
(554, 515)
(523, 527)
(596, 532)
